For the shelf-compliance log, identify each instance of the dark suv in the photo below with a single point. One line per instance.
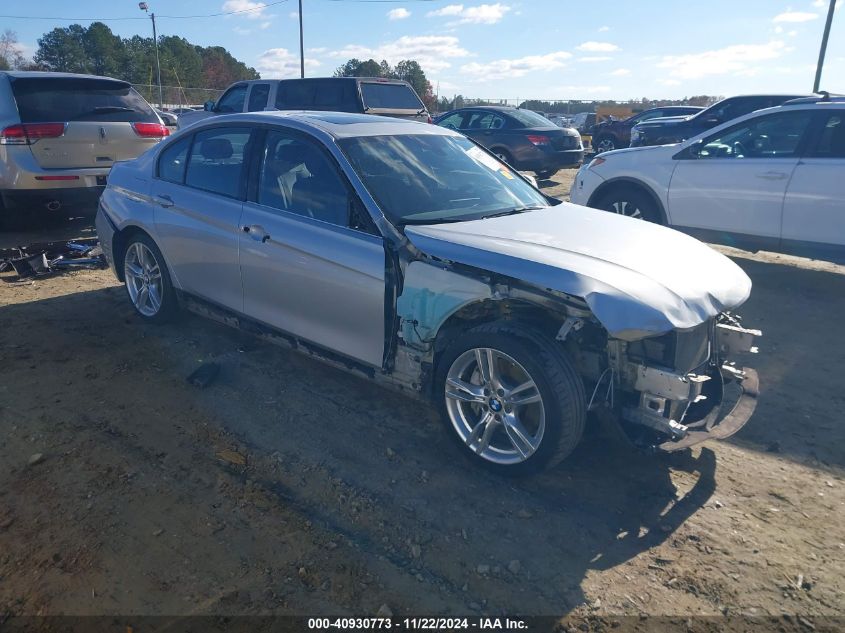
(522, 138)
(666, 131)
(615, 133)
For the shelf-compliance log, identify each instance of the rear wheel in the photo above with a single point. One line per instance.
(511, 398)
(544, 175)
(504, 156)
(631, 202)
(148, 280)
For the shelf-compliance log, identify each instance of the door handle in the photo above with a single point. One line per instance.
(164, 201)
(772, 175)
(257, 232)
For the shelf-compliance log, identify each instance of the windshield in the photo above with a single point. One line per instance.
(428, 179)
(529, 118)
(44, 99)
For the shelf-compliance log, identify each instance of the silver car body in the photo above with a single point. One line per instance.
(378, 304)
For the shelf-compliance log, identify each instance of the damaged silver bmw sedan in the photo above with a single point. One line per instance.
(409, 255)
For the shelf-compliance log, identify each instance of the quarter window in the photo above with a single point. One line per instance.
(171, 163)
(453, 121)
(298, 177)
(217, 161)
(773, 136)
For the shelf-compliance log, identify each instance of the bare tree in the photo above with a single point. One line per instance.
(11, 53)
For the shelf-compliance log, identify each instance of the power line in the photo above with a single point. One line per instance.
(172, 17)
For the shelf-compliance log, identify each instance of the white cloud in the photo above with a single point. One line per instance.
(621, 72)
(507, 68)
(728, 60)
(280, 63)
(778, 29)
(482, 14)
(398, 14)
(293, 15)
(265, 25)
(597, 47)
(594, 58)
(316, 51)
(604, 29)
(669, 82)
(248, 8)
(795, 16)
(242, 31)
(431, 51)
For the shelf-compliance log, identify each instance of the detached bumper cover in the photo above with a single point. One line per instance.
(715, 429)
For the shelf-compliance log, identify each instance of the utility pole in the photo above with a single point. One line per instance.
(144, 7)
(823, 48)
(301, 45)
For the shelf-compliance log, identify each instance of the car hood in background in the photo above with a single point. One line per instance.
(638, 278)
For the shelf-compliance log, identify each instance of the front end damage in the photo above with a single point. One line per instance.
(683, 388)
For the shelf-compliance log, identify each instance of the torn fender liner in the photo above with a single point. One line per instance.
(731, 423)
(639, 279)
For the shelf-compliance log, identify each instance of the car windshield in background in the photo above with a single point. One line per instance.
(385, 96)
(429, 179)
(42, 100)
(529, 118)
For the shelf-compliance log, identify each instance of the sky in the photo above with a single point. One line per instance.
(509, 49)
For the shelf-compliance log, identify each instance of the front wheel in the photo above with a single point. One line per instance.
(511, 398)
(605, 143)
(148, 280)
(631, 202)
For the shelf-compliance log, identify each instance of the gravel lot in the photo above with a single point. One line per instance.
(288, 487)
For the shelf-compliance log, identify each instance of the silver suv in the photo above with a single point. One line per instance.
(61, 133)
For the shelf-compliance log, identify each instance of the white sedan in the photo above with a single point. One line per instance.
(772, 179)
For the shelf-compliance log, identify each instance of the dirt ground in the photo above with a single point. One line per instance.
(288, 487)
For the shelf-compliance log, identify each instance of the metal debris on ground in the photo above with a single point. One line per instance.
(204, 375)
(48, 258)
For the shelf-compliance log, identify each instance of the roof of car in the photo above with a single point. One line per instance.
(34, 74)
(342, 124)
(820, 99)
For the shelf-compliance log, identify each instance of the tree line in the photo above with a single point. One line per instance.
(407, 70)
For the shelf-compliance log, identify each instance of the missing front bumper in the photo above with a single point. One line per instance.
(714, 427)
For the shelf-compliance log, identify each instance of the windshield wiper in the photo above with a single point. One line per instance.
(514, 211)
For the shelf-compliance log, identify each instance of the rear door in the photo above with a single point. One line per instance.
(258, 96)
(199, 188)
(104, 120)
(737, 179)
(814, 208)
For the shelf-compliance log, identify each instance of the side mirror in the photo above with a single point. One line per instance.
(208, 106)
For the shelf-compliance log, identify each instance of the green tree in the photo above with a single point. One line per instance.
(63, 50)
(105, 52)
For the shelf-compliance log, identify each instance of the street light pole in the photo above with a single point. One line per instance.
(823, 48)
(144, 7)
(301, 45)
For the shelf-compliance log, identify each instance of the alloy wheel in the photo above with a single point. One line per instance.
(605, 145)
(143, 279)
(495, 406)
(626, 207)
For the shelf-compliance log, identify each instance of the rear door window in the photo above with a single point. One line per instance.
(62, 99)
(386, 96)
(831, 143)
(217, 161)
(171, 162)
(258, 97)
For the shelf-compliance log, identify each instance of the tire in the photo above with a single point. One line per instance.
(481, 419)
(631, 202)
(503, 155)
(543, 175)
(605, 143)
(144, 268)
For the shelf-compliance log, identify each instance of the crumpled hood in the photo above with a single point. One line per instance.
(639, 279)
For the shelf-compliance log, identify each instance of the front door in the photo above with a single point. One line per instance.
(198, 192)
(735, 182)
(814, 209)
(304, 270)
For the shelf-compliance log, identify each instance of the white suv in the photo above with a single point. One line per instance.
(772, 179)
